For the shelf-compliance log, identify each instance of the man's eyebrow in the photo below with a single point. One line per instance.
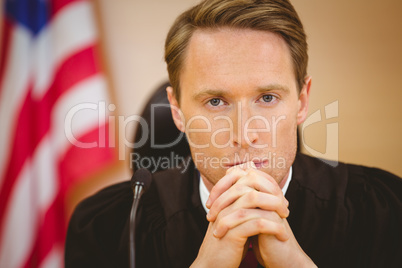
(222, 93)
(273, 87)
(209, 92)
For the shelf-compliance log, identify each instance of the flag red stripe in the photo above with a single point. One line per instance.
(57, 5)
(35, 117)
(48, 234)
(7, 29)
(77, 164)
(32, 122)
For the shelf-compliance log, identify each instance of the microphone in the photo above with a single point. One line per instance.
(140, 182)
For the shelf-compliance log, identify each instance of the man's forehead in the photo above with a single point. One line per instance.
(235, 47)
(205, 35)
(242, 55)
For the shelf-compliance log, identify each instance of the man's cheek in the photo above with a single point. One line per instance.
(221, 138)
(198, 131)
(282, 132)
(199, 140)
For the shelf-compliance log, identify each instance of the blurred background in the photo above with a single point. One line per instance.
(113, 54)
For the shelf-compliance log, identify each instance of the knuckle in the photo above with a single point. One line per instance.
(254, 178)
(253, 197)
(223, 224)
(260, 223)
(277, 191)
(277, 228)
(277, 203)
(239, 172)
(238, 189)
(252, 172)
(241, 213)
(282, 232)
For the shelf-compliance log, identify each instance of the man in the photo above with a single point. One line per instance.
(239, 90)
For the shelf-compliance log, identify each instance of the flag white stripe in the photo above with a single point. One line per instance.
(73, 29)
(36, 185)
(21, 221)
(34, 62)
(34, 192)
(44, 168)
(54, 259)
(13, 90)
(81, 104)
(70, 31)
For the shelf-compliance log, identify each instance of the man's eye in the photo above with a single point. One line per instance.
(215, 102)
(268, 98)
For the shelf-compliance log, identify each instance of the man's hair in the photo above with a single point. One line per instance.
(276, 16)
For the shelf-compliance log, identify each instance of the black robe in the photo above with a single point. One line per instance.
(348, 216)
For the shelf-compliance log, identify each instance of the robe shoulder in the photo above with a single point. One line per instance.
(331, 180)
(347, 215)
(95, 236)
(99, 227)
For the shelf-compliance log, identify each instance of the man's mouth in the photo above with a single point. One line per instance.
(261, 164)
(258, 163)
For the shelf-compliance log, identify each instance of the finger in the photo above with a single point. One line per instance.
(226, 199)
(263, 174)
(255, 226)
(260, 181)
(271, 187)
(253, 200)
(225, 223)
(252, 181)
(263, 201)
(223, 184)
(276, 190)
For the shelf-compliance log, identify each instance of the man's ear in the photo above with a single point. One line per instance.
(303, 101)
(177, 115)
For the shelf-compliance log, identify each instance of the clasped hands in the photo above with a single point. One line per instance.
(247, 205)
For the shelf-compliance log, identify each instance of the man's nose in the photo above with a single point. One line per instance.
(245, 125)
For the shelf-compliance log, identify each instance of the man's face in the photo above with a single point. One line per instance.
(239, 102)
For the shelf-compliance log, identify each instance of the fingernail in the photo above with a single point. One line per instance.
(208, 204)
(229, 170)
(215, 233)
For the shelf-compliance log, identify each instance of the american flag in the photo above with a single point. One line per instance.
(53, 123)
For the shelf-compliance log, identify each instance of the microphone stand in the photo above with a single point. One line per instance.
(138, 189)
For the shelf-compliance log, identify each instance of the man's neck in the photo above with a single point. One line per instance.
(207, 183)
(284, 179)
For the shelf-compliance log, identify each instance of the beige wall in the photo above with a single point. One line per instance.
(133, 34)
(355, 59)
